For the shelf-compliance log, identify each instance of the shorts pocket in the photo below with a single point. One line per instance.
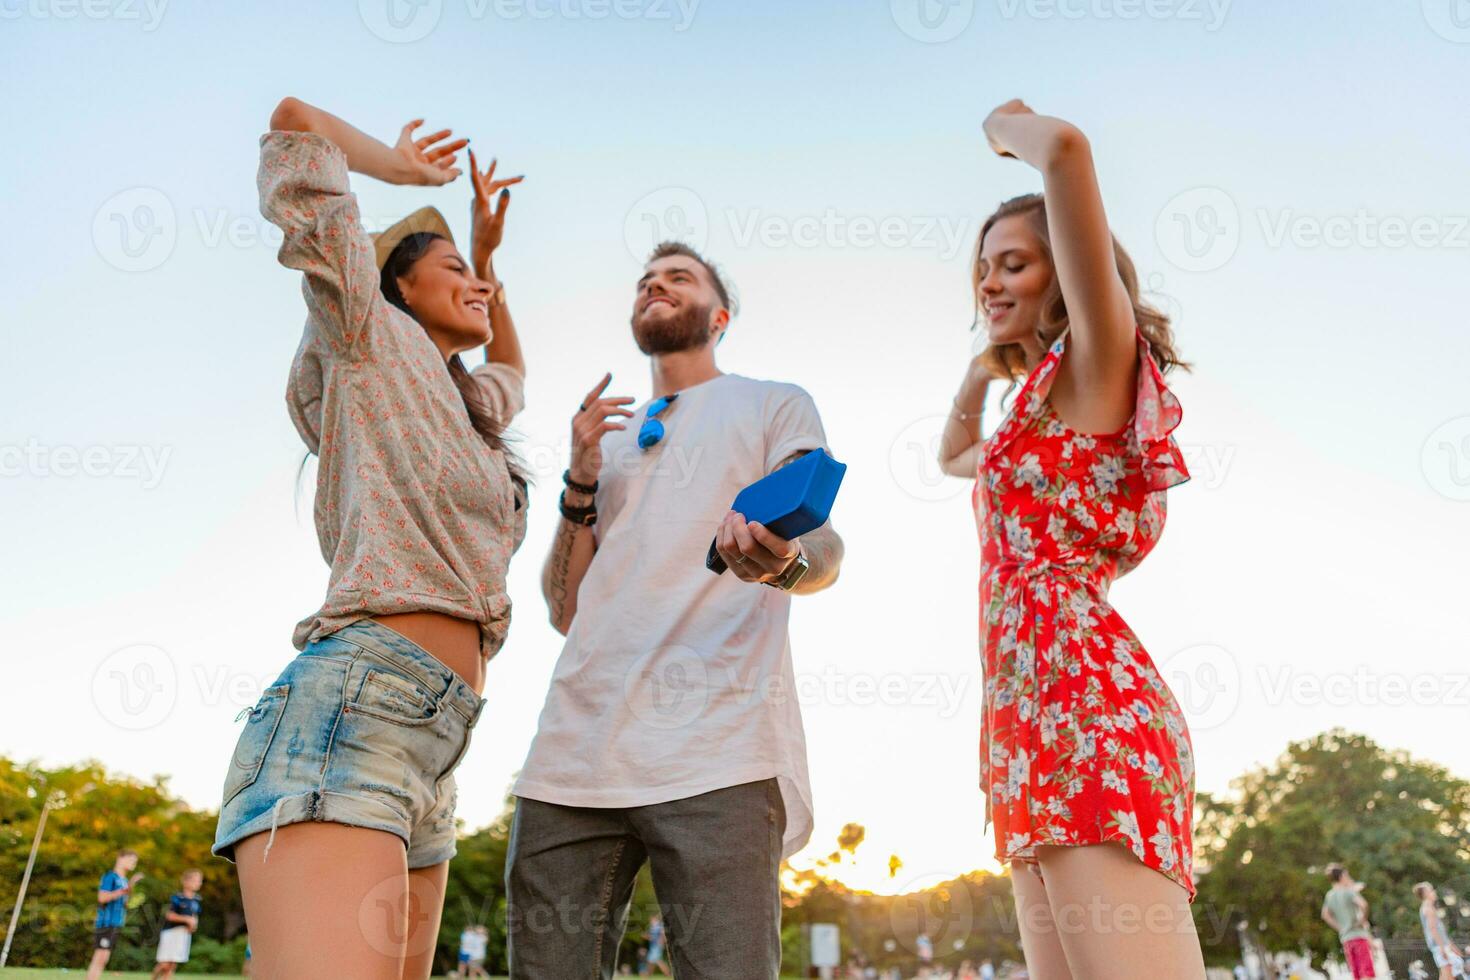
(394, 698)
(255, 740)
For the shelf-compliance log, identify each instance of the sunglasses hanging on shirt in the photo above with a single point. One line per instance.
(652, 430)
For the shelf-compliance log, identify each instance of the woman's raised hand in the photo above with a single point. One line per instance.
(487, 225)
(1015, 107)
(428, 160)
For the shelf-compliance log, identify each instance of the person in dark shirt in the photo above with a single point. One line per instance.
(112, 909)
(180, 921)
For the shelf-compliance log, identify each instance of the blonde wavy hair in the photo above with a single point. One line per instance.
(1009, 360)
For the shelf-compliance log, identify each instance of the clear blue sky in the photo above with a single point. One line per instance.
(148, 329)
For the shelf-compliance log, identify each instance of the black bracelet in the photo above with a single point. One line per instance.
(579, 487)
(583, 516)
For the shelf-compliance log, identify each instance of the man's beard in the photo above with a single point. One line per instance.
(687, 329)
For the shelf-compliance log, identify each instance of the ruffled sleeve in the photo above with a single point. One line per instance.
(303, 191)
(1156, 415)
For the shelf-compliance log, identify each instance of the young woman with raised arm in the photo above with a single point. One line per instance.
(1085, 760)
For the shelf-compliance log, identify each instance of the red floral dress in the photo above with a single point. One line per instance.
(1082, 741)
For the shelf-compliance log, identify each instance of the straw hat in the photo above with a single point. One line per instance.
(424, 219)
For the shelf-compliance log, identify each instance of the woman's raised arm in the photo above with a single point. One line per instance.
(424, 161)
(1102, 347)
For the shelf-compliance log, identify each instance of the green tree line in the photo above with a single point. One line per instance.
(1261, 851)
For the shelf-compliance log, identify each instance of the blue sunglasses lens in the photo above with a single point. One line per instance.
(652, 429)
(650, 433)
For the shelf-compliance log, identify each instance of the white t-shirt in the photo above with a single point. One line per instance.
(675, 681)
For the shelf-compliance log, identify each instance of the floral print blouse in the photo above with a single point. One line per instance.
(414, 511)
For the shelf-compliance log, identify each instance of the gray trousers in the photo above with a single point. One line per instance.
(715, 857)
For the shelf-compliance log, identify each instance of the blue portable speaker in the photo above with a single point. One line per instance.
(795, 499)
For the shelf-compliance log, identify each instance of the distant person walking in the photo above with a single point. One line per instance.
(1345, 910)
(1447, 956)
(112, 909)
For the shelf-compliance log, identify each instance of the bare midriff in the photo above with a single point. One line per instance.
(452, 641)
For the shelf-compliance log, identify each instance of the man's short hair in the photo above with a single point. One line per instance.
(1335, 872)
(664, 249)
(126, 852)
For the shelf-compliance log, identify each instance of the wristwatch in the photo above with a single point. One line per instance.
(794, 574)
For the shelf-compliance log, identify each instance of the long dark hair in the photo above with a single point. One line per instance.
(482, 418)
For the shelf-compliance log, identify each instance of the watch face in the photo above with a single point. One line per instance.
(795, 573)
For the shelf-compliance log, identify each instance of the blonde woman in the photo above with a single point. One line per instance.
(1085, 760)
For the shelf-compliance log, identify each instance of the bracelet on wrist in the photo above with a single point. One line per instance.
(579, 487)
(581, 516)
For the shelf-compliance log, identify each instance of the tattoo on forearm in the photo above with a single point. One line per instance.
(561, 560)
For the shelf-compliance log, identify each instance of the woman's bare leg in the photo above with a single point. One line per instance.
(1117, 918)
(425, 909)
(329, 899)
(1045, 958)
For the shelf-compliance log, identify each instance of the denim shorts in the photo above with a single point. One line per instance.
(364, 728)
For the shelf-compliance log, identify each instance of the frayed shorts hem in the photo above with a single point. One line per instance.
(316, 806)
